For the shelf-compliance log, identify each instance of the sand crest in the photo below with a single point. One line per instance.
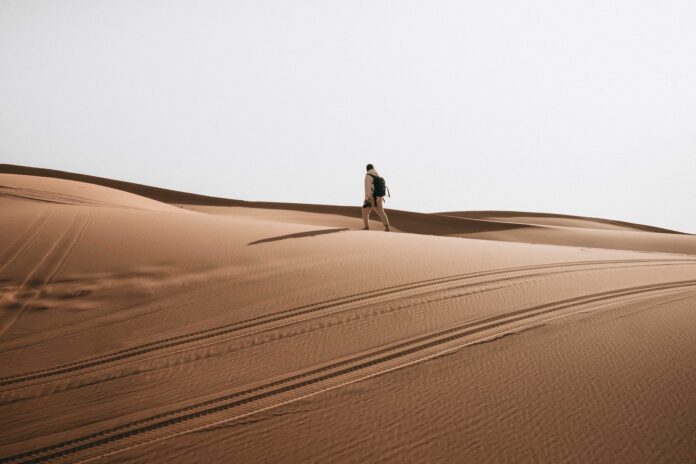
(140, 324)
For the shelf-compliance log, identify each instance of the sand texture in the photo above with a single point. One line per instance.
(145, 325)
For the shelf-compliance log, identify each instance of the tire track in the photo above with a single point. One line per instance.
(285, 317)
(25, 241)
(69, 382)
(75, 235)
(63, 248)
(313, 381)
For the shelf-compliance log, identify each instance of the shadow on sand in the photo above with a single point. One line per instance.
(310, 233)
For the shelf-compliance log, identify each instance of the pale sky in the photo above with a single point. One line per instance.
(576, 107)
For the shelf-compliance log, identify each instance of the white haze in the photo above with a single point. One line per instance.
(577, 107)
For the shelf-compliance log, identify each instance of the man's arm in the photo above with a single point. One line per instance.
(368, 186)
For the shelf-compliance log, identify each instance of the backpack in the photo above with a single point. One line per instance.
(379, 186)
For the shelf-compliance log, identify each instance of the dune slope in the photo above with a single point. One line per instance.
(136, 331)
(563, 220)
(486, 225)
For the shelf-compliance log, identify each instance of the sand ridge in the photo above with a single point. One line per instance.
(138, 329)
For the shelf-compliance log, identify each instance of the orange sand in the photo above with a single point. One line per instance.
(145, 325)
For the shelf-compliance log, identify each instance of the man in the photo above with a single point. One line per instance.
(374, 198)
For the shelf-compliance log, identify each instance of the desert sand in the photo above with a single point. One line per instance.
(140, 324)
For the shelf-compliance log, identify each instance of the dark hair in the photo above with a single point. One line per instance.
(369, 166)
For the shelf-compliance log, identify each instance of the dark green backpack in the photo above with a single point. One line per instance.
(379, 188)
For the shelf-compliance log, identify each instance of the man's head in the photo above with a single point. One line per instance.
(369, 166)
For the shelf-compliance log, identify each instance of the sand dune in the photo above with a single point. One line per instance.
(57, 191)
(552, 229)
(563, 220)
(159, 194)
(144, 325)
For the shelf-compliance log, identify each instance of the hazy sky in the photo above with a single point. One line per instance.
(578, 107)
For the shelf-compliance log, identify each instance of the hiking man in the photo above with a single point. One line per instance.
(375, 189)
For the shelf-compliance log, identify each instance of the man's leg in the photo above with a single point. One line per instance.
(381, 213)
(366, 217)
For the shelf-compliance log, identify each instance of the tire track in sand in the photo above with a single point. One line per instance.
(322, 378)
(285, 317)
(46, 269)
(25, 241)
